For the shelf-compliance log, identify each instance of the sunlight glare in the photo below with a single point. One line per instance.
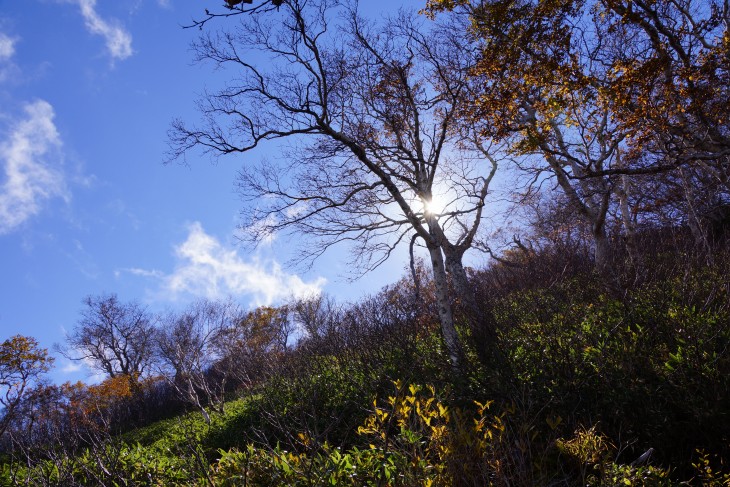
(436, 206)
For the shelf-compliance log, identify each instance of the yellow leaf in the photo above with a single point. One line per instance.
(554, 422)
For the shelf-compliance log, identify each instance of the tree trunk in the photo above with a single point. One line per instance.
(631, 244)
(465, 293)
(480, 320)
(446, 316)
(693, 215)
(191, 396)
(602, 248)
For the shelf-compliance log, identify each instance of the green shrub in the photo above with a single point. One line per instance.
(652, 366)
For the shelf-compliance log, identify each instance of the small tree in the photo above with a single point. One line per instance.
(257, 343)
(114, 337)
(193, 348)
(317, 316)
(22, 363)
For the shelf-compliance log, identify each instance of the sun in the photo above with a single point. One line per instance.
(435, 206)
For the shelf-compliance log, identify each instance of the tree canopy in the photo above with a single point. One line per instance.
(115, 337)
(22, 363)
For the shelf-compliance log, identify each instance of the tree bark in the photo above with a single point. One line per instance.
(480, 319)
(602, 248)
(446, 316)
(464, 291)
(631, 244)
(693, 215)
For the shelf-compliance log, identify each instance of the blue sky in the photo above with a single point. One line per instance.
(88, 89)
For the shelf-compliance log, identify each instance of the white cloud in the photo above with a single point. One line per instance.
(7, 47)
(145, 273)
(71, 367)
(262, 230)
(7, 50)
(207, 268)
(30, 156)
(118, 40)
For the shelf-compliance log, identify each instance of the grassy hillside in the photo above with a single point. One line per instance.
(618, 382)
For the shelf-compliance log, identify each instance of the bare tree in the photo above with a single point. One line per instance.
(114, 337)
(317, 316)
(192, 347)
(577, 146)
(372, 111)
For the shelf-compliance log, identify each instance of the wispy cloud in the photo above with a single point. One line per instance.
(7, 47)
(207, 268)
(118, 40)
(145, 273)
(30, 158)
(81, 368)
(7, 50)
(71, 367)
